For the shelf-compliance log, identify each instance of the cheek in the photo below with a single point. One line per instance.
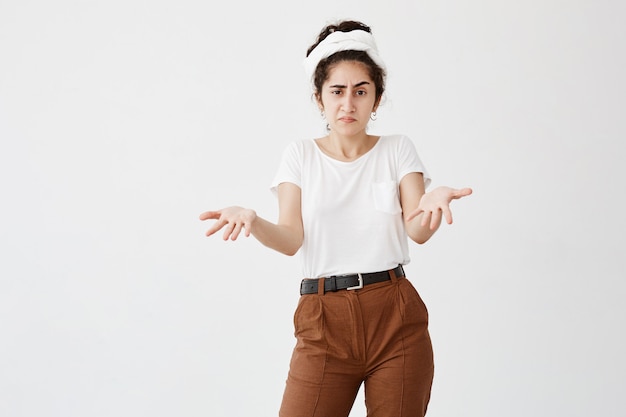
(328, 104)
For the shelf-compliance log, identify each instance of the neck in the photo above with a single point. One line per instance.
(347, 148)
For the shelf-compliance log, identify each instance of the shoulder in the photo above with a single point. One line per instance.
(394, 138)
(396, 142)
(298, 148)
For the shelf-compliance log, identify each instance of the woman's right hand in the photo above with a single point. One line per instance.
(232, 219)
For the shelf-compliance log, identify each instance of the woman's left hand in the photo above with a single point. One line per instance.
(436, 202)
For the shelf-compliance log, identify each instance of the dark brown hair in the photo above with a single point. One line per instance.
(376, 73)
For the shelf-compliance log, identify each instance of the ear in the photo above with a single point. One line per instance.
(318, 100)
(375, 108)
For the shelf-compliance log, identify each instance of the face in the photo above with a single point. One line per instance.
(348, 98)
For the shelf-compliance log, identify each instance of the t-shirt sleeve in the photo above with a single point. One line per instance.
(409, 161)
(290, 167)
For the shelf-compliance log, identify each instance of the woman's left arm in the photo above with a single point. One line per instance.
(424, 211)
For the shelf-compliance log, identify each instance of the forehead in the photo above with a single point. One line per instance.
(348, 72)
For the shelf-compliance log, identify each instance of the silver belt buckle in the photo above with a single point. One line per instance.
(357, 287)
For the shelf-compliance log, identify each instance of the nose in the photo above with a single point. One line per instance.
(347, 104)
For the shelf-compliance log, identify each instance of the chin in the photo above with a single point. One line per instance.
(349, 130)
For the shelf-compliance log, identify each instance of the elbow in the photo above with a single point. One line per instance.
(420, 238)
(291, 250)
(292, 243)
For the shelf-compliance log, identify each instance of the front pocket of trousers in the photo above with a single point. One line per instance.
(413, 307)
(309, 319)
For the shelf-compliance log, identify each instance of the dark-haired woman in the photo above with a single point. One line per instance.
(348, 202)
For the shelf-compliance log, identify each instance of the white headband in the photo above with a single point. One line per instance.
(356, 40)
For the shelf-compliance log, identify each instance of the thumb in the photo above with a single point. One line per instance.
(463, 192)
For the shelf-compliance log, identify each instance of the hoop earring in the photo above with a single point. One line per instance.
(373, 116)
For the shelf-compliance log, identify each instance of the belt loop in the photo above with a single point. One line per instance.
(392, 274)
(333, 283)
(320, 286)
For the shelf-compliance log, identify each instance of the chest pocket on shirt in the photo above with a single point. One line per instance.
(386, 197)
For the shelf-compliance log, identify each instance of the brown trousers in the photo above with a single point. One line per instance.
(377, 335)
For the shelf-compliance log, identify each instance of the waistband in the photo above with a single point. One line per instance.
(348, 282)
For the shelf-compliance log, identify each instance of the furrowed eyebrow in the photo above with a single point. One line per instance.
(356, 85)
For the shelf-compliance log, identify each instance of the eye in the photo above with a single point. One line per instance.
(361, 92)
(335, 92)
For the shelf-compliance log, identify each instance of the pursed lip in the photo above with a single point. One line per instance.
(347, 119)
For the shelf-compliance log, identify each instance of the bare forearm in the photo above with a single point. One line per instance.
(285, 236)
(282, 238)
(420, 233)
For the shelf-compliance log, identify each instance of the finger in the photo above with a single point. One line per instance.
(236, 231)
(413, 214)
(210, 215)
(462, 192)
(447, 214)
(217, 226)
(426, 217)
(247, 229)
(435, 219)
(228, 230)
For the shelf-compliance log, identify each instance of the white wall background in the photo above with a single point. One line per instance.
(121, 121)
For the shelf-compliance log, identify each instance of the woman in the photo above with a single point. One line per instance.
(347, 202)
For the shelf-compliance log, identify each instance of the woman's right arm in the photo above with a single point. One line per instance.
(285, 237)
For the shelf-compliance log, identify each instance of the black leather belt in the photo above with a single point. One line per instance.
(348, 282)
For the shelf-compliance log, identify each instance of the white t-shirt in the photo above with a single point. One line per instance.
(351, 210)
